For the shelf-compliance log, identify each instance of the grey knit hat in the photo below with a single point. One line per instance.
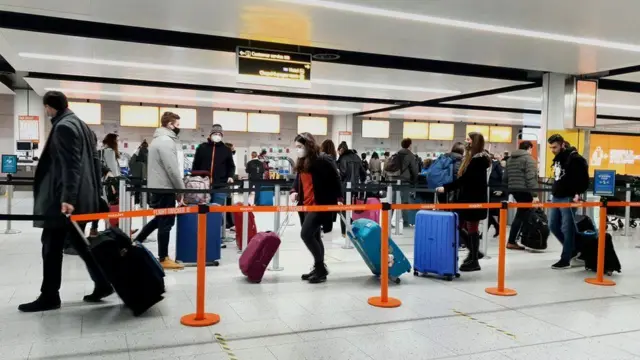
(217, 128)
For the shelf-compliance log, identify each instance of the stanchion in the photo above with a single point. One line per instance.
(122, 201)
(275, 265)
(502, 249)
(144, 206)
(627, 210)
(200, 318)
(398, 213)
(347, 241)
(602, 231)
(485, 231)
(384, 301)
(245, 215)
(9, 230)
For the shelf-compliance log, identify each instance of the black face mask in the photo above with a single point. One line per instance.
(176, 131)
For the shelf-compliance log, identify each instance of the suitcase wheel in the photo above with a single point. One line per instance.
(396, 280)
(457, 276)
(216, 263)
(416, 273)
(448, 278)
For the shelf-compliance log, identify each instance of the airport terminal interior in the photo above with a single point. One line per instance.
(363, 73)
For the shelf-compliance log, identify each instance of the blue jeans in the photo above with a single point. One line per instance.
(562, 225)
(163, 224)
(217, 198)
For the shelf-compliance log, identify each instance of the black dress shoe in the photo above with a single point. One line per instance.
(98, 294)
(42, 303)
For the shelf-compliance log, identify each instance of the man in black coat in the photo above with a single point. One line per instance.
(67, 181)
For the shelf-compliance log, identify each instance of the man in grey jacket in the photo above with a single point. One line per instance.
(521, 174)
(408, 173)
(163, 171)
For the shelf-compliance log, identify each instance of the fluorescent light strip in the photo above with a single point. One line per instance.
(399, 15)
(206, 100)
(602, 105)
(521, 98)
(151, 66)
(453, 116)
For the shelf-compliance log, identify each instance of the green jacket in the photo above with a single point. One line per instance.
(521, 172)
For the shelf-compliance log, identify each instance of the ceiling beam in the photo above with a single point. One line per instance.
(134, 34)
(471, 95)
(619, 85)
(213, 88)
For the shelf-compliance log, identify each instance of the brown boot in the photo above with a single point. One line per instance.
(169, 264)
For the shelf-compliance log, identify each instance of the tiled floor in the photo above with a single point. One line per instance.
(555, 315)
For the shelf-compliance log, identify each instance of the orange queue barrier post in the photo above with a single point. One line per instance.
(200, 318)
(500, 290)
(384, 301)
(599, 279)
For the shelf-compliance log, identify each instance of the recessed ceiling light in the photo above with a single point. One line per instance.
(505, 30)
(207, 100)
(164, 67)
(453, 116)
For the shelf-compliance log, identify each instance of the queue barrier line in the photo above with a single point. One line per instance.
(201, 318)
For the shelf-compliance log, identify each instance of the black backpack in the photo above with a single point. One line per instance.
(535, 230)
(394, 164)
(255, 169)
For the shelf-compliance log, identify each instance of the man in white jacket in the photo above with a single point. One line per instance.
(164, 173)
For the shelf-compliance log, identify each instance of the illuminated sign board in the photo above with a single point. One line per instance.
(273, 67)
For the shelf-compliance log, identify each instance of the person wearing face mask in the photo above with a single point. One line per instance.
(67, 180)
(164, 173)
(317, 183)
(471, 184)
(216, 158)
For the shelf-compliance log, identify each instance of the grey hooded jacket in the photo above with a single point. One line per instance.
(163, 171)
(521, 172)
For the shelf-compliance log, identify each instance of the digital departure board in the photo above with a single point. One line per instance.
(273, 67)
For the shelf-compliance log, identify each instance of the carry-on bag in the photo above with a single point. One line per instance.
(135, 274)
(114, 222)
(263, 246)
(187, 238)
(252, 229)
(373, 215)
(587, 243)
(198, 180)
(365, 236)
(436, 241)
(534, 232)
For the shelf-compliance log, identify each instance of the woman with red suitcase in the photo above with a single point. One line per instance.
(317, 183)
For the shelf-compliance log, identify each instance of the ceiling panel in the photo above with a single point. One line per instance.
(171, 97)
(463, 116)
(4, 90)
(91, 57)
(591, 35)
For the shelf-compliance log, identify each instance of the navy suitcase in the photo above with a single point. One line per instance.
(187, 238)
(436, 241)
(365, 236)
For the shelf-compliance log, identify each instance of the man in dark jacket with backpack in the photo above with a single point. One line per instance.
(216, 159)
(571, 175)
(67, 181)
(404, 167)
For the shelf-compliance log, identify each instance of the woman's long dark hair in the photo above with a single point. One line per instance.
(111, 141)
(329, 148)
(312, 151)
(477, 146)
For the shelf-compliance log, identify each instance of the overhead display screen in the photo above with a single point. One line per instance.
(187, 116)
(614, 152)
(314, 125)
(415, 130)
(264, 123)
(482, 129)
(439, 131)
(586, 93)
(375, 129)
(231, 120)
(139, 116)
(273, 67)
(90, 113)
(500, 134)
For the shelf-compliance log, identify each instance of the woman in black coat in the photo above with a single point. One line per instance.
(471, 184)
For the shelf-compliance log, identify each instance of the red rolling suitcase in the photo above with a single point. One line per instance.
(263, 246)
(114, 221)
(252, 229)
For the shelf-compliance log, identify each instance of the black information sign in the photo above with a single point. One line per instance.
(273, 67)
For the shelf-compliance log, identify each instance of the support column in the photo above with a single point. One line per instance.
(557, 117)
(342, 129)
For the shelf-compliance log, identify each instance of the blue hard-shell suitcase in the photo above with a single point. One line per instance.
(365, 235)
(436, 242)
(187, 238)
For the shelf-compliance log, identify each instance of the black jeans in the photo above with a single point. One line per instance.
(521, 215)
(161, 223)
(310, 234)
(52, 244)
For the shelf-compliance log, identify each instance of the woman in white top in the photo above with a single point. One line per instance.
(110, 154)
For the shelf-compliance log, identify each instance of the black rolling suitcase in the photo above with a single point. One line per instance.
(587, 243)
(535, 230)
(132, 270)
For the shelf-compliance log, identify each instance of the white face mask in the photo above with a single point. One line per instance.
(216, 138)
(301, 152)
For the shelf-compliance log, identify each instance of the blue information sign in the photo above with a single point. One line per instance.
(604, 182)
(9, 164)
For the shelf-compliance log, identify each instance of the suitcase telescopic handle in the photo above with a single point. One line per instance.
(348, 227)
(77, 228)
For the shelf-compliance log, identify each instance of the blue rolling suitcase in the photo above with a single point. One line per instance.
(187, 238)
(436, 242)
(365, 235)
